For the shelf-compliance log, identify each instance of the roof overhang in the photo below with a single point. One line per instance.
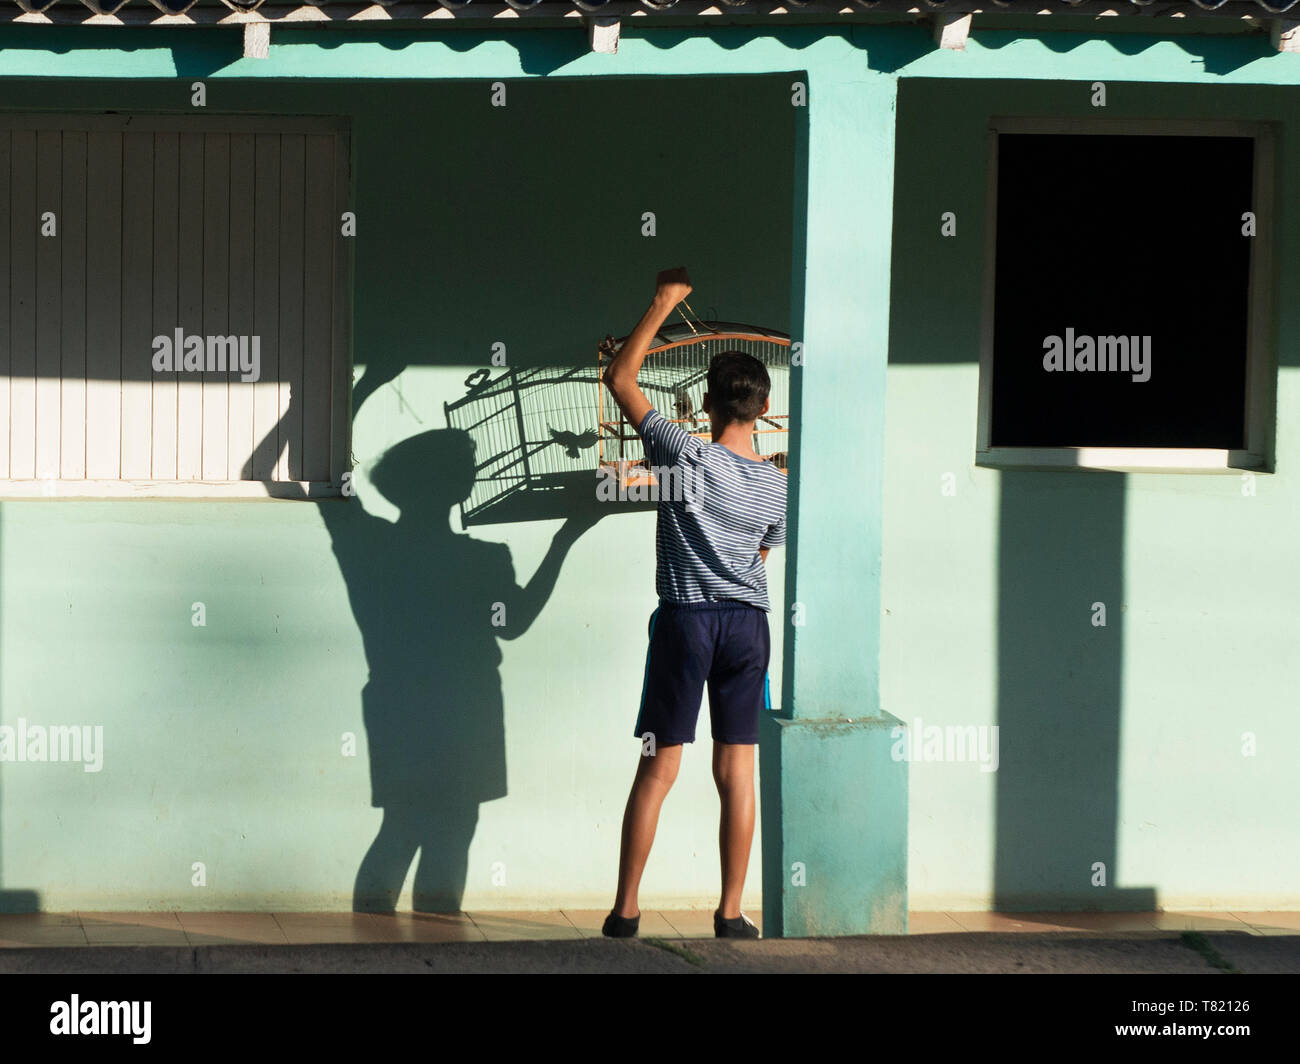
(603, 19)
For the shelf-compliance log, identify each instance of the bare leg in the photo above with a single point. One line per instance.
(733, 772)
(654, 778)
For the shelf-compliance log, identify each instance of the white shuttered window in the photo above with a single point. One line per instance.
(173, 305)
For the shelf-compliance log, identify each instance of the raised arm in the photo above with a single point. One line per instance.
(671, 287)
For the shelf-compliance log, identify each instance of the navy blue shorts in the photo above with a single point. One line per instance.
(725, 645)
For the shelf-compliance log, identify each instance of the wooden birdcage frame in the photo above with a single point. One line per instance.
(673, 378)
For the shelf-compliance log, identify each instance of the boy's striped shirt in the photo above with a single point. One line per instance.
(715, 510)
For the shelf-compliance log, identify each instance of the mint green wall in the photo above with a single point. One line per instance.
(1121, 744)
(223, 743)
(232, 732)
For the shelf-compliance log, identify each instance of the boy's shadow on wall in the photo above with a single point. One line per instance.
(431, 605)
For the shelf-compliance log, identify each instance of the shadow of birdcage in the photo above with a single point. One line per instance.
(534, 432)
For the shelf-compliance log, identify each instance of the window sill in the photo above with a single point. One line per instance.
(202, 490)
(1122, 459)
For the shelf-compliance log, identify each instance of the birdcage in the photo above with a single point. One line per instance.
(674, 377)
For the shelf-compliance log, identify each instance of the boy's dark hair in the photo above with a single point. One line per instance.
(738, 385)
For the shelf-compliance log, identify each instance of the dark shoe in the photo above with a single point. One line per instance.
(739, 927)
(621, 926)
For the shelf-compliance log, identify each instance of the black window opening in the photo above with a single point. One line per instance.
(1121, 298)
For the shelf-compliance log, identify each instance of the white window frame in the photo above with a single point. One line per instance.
(1261, 364)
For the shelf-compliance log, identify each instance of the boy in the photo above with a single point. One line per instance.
(711, 547)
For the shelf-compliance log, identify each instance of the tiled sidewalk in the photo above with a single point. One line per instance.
(211, 929)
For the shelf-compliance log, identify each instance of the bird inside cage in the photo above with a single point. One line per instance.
(683, 408)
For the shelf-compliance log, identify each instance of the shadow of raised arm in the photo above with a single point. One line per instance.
(529, 600)
(335, 511)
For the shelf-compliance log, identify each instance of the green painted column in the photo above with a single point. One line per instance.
(834, 801)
